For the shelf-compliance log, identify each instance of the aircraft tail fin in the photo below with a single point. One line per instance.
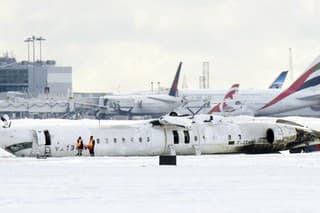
(174, 87)
(310, 78)
(278, 82)
(230, 96)
(215, 109)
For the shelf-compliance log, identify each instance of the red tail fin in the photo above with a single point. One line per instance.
(231, 94)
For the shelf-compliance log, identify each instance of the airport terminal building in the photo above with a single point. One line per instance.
(34, 79)
(35, 90)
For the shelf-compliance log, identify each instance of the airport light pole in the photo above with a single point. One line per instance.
(40, 39)
(33, 38)
(33, 58)
(28, 40)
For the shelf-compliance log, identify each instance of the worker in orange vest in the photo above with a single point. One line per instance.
(79, 146)
(91, 146)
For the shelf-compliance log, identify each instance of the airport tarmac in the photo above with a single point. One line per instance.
(216, 183)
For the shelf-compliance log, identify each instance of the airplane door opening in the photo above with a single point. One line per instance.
(186, 137)
(175, 137)
(47, 137)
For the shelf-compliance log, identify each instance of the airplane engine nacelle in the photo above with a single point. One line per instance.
(281, 134)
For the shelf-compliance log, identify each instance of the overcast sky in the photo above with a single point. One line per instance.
(123, 45)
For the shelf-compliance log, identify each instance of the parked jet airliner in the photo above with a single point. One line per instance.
(197, 101)
(151, 104)
(304, 92)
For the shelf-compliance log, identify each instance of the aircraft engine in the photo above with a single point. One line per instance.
(281, 134)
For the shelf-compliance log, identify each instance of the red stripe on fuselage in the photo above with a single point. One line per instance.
(293, 88)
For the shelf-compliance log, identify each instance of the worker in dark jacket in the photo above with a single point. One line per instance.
(91, 146)
(79, 146)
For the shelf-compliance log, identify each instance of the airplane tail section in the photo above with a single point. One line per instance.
(216, 108)
(277, 84)
(230, 96)
(174, 87)
(310, 78)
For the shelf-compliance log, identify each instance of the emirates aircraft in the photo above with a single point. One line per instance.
(296, 100)
(169, 135)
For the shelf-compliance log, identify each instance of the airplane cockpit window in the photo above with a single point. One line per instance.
(186, 137)
(175, 137)
(115, 140)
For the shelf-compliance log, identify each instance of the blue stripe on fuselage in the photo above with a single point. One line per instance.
(310, 83)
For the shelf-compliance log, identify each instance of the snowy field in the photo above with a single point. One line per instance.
(218, 183)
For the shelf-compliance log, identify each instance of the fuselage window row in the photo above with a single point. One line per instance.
(140, 139)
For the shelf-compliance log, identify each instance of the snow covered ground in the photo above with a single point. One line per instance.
(218, 183)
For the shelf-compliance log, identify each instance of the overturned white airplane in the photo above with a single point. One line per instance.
(169, 135)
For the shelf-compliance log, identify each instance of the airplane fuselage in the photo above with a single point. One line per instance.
(252, 101)
(146, 138)
(141, 104)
